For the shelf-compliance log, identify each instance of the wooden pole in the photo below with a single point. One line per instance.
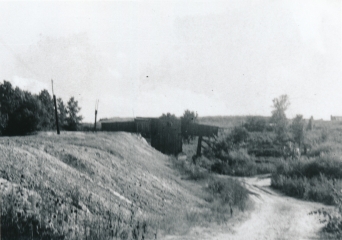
(56, 114)
(96, 108)
(199, 145)
(55, 103)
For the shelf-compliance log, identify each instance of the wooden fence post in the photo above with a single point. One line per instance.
(56, 113)
(96, 108)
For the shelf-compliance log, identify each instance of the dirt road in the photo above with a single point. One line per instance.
(275, 216)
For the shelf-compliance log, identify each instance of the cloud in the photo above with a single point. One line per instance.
(29, 84)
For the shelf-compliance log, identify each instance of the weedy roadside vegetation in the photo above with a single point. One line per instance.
(223, 196)
(318, 175)
(303, 156)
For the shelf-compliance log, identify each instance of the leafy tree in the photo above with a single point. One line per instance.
(239, 137)
(280, 105)
(297, 128)
(9, 98)
(235, 140)
(255, 124)
(310, 124)
(20, 111)
(47, 121)
(188, 118)
(62, 113)
(6, 104)
(73, 119)
(26, 118)
(168, 116)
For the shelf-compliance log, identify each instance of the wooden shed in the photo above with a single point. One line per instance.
(166, 135)
(143, 126)
(163, 133)
(119, 126)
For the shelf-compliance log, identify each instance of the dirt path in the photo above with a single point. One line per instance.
(275, 217)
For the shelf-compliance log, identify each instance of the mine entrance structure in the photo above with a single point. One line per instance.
(204, 133)
(164, 134)
(119, 127)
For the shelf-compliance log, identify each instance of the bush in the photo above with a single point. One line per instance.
(226, 143)
(229, 192)
(255, 124)
(315, 189)
(308, 178)
(192, 171)
(240, 163)
(329, 165)
(324, 148)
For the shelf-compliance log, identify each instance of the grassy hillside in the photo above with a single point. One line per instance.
(73, 182)
(83, 185)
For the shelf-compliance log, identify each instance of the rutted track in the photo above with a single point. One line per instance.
(276, 216)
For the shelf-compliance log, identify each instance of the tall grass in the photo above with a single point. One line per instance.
(221, 195)
(190, 170)
(309, 178)
(28, 215)
(240, 163)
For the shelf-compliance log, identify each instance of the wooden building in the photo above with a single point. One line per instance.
(119, 126)
(164, 134)
(143, 126)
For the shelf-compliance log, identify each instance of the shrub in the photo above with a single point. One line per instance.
(324, 148)
(240, 163)
(255, 124)
(315, 189)
(308, 178)
(228, 142)
(333, 227)
(192, 171)
(229, 192)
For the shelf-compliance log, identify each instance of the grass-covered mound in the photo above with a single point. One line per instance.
(85, 185)
(104, 186)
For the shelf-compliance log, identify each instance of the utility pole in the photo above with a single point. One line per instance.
(96, 108)
(56, 114)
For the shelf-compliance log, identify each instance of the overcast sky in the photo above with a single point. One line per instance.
(146, 58)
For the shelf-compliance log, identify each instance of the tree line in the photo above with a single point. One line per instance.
(22, 112)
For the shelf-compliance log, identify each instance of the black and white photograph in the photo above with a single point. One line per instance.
(174, 120)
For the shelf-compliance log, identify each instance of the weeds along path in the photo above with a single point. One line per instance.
(276, 216)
